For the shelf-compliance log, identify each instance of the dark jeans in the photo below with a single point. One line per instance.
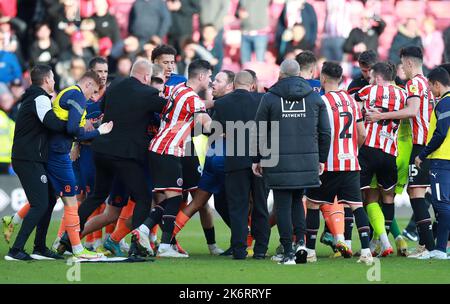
(131, 173)
(288, 210)
(239, 185)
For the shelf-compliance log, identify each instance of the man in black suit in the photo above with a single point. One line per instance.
(240, 183)
(123, 153)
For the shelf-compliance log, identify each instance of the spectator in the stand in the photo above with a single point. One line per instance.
(149, 47)
(9, 64)
(66, 24)
(446, 36)
(214, 44)
(192, 51)
(124, 64)
(254, 16)
(214, 12)
(77, 49)
(408, 35)
(70, 76)
(337, 28)
(181, 28)
(295, 12)
(90, 39)
(17, 91)
(105, 24)
(10, 40)
(44, 49)
(433, 43)
(149, 19)
(293, 41)
(365, 37)
(6, 132)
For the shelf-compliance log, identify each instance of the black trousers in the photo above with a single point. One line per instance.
(288, 209)
(33, 177)
(239, 185)
(132, 175)
(221, 206)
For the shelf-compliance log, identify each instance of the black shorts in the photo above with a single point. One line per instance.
(343, 184)
(172, 173)
(382, 165)
(418, 177)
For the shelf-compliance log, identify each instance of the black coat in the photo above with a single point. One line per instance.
(304, 134)
(34, 120)
(131, 106)
(238, 106)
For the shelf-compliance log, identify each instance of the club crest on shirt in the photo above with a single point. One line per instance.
(44, 179)
(180, 182)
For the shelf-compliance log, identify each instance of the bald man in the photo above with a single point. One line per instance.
(239, 180)
(123, 153)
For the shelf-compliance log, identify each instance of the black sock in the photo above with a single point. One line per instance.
(155, 215)
(312, 227)
(348, 214)
(388, 212)
(168, 218)
(423, 222)
(362, 223)
(210, 235)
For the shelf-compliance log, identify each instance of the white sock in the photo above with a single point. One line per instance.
(339, 238)
(17, 219)
(349, 243)
(144, 229)
(77, 248)
(365, 251)
(384, 240)
(153, 237)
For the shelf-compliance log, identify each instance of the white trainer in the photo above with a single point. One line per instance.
(214, 249)
(417, 252)
(438, 255)
(287, 261)
(144, 241)
(124, 246)
(311, 257)
(366, 259)
(169, 252)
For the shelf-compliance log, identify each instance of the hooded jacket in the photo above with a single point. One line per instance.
(304, 134)
(34, 120)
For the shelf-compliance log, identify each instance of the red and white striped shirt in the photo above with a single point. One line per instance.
(418, 87)
(383, 134)
(343, 113)
(177, 121)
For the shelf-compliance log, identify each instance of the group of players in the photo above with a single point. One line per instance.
(378, 130)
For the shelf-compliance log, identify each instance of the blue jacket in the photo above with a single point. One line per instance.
(9, 67)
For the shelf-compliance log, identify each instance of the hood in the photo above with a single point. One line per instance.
(34, 90)
(291, 88)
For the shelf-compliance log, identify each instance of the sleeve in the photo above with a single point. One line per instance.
(439, 135)
(359, 116)
(349, 42)
(324, 131)
(43, 108)
(364, 93)
(196, 105)
(379, 29)
(257, 138)
(412, 89)
(76, 104)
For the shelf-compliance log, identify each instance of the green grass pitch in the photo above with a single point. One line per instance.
(200, 267)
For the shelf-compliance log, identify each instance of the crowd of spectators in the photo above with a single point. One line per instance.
(230, 34)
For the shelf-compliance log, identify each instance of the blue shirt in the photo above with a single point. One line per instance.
(75, 103)
(315, 84)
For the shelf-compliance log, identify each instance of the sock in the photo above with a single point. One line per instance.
(348, 243)
(312, 228)
(250, 239)
(121, 227)
(180, 222)
(384, 240)
(20, 215)
(395, 229)
(335, 218)
(348, 217)
(72, 223)
(154, 233)
(423, 222)
(362, 223)
(155, 215)
(339, 238)
(110, 228)
(376, 219)
(388, 212)
(210, 235)
(168, 218)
